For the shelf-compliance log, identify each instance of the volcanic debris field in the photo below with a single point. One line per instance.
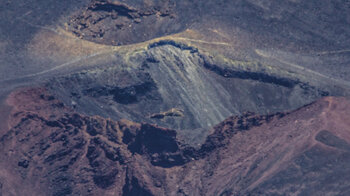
(165, 97)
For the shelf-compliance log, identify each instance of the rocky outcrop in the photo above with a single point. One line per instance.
(231, 126)
(50, 146)
(117, 23)
(228, 57)
(170, 113)
(76, 154)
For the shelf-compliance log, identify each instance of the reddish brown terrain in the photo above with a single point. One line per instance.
(51, 150)
(174, 97)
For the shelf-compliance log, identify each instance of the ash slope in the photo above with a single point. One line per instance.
(51, 150)
(205, 89)
(287, 52)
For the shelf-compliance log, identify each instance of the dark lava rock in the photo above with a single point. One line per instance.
(24, 163)
(143, 159)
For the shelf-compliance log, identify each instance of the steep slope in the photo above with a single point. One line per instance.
(121, 97)
(303, 153)
(261, 56)
(51, 149)
(172, 75)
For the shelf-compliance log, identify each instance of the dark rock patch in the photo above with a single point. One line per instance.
(332, 140)
(23, 163)
(106, 180)
(133, 188)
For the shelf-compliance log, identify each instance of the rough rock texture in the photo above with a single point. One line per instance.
(175, 69)
(51, 150)
(58, 151)
(117, 23)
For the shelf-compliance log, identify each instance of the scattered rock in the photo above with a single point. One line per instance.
(173, 112)
(23, 163)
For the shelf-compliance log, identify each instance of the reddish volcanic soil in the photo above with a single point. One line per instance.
(5, 110)
(52, 150)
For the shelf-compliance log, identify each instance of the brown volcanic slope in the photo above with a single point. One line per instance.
(180, 64)
(51, 150)
(227, 57)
